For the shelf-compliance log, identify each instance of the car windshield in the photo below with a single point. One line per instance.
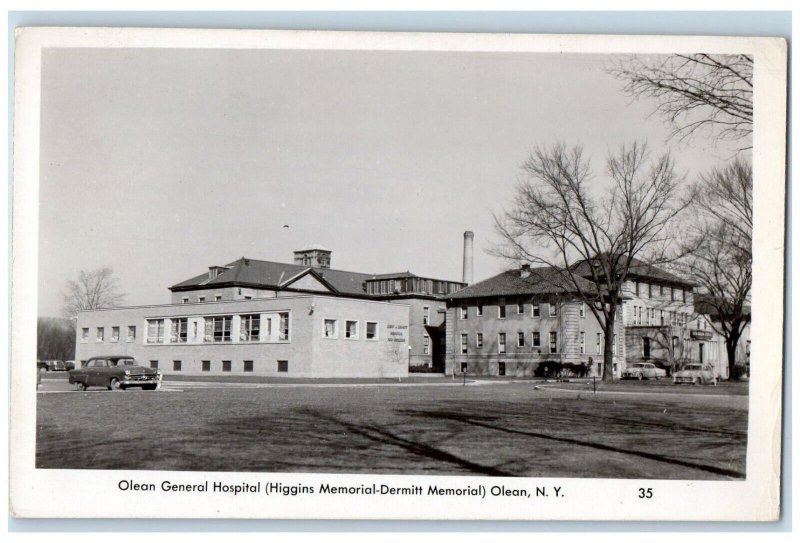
(692, 367)
(124, 362)
(639, 365)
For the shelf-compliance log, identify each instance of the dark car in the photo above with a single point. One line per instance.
(51, 365)
(114, 373)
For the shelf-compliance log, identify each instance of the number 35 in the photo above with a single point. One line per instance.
(645, 493)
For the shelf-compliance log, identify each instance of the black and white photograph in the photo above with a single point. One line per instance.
(415, 270)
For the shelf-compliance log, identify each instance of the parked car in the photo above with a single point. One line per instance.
(69, 365)
(50, 365)
(696, 374)
(643, 370)
(114, 373)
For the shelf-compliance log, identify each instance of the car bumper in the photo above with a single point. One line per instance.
(683, 380)
(135, 380)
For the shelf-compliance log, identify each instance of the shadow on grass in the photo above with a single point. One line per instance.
(466, 419)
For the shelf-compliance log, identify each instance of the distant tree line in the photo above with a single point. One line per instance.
(55, 339)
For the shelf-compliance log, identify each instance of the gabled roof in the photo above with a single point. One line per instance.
(638, 269)
(265, 274)
(510, 283)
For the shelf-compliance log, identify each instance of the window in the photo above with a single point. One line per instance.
(218, 329)
(426, 344)
(463, 367)
(661, 290)
(553, 309)
(217, 297)
(537, 339)
(154, 364)
(226, 365)
(649, 290)
(464, 343)
(520, 308)
(249, 327)
(671, 292)
(662, 318)
(176, 365)
(131, 333)
(184, 300)
(426, 315)
(372, 331)
(683, 295)
(201, 298)
(479, 340)
(155, 331)
(582, 311)
(248, 366)
(675, 293)
(479, 310)
(501, 368)
(583, 342)
(553, 342)
(599, 348)
(637, 288)
(351, 329)
(329, 329)
(283, 333)
(646, 347)
(206, 365)
(84, 334)
(283, 366)
(614, 345)
(535, 311)
(101, 333)
(464, 312)
(501, 308)
(520, 339)
(501, 342)
(675, 344)
(180, 328)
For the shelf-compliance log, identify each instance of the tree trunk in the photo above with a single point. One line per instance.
(608, 346)
(731, 343)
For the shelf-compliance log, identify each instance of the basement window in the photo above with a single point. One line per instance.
(283, 366)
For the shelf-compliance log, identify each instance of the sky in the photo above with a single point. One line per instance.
(162, 162)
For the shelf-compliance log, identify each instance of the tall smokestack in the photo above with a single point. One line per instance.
(467, 275)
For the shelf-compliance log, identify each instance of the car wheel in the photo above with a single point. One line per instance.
(114, 384)
(80, 385)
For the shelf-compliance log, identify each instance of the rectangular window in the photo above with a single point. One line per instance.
(537, 339)
(553, 309)
(101, 333)
(154, 364)
(583, 342)
(176, 365)
(501, 368)
(520, 308)
(683, 295)
(248, 366)
(206, 365)
(582, 311)
(463, 367)
(351, 329)
(372, 331)
(283, 366)
(649, 290)
(180, 330)
(226, 365)
(501, 308)
(599, 348)
(184, 300)
(84, 334)
(520, 339)
(535, 310)
(464, 312)
(479, 310)
(479, 340)
(501, 342)
(646, 347)
(329, 330)
(637, 288)
(464, 343)
(662, 318)
(426, 315)
(283, 332)
(155, 331)
(249, 327)
(201, 298)
(219, 328)
(131, 333)
(217, 297)
(426, 344)
(553, 342)
(115, 333)
(661, 290)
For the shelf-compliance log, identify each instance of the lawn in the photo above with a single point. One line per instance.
(500, 429)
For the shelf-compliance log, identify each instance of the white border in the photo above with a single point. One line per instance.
(32, 490)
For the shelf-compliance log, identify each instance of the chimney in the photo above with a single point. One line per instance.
(525, 271)
(467, 271)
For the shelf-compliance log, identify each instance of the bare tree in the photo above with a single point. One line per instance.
(92, 290)
(717, 252)
(695, 91)
(557, 221)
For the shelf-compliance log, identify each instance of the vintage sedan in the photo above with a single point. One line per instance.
(114, 373)
(643, 370)
(695, 374)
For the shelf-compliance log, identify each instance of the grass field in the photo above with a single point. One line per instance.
(500, 429)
